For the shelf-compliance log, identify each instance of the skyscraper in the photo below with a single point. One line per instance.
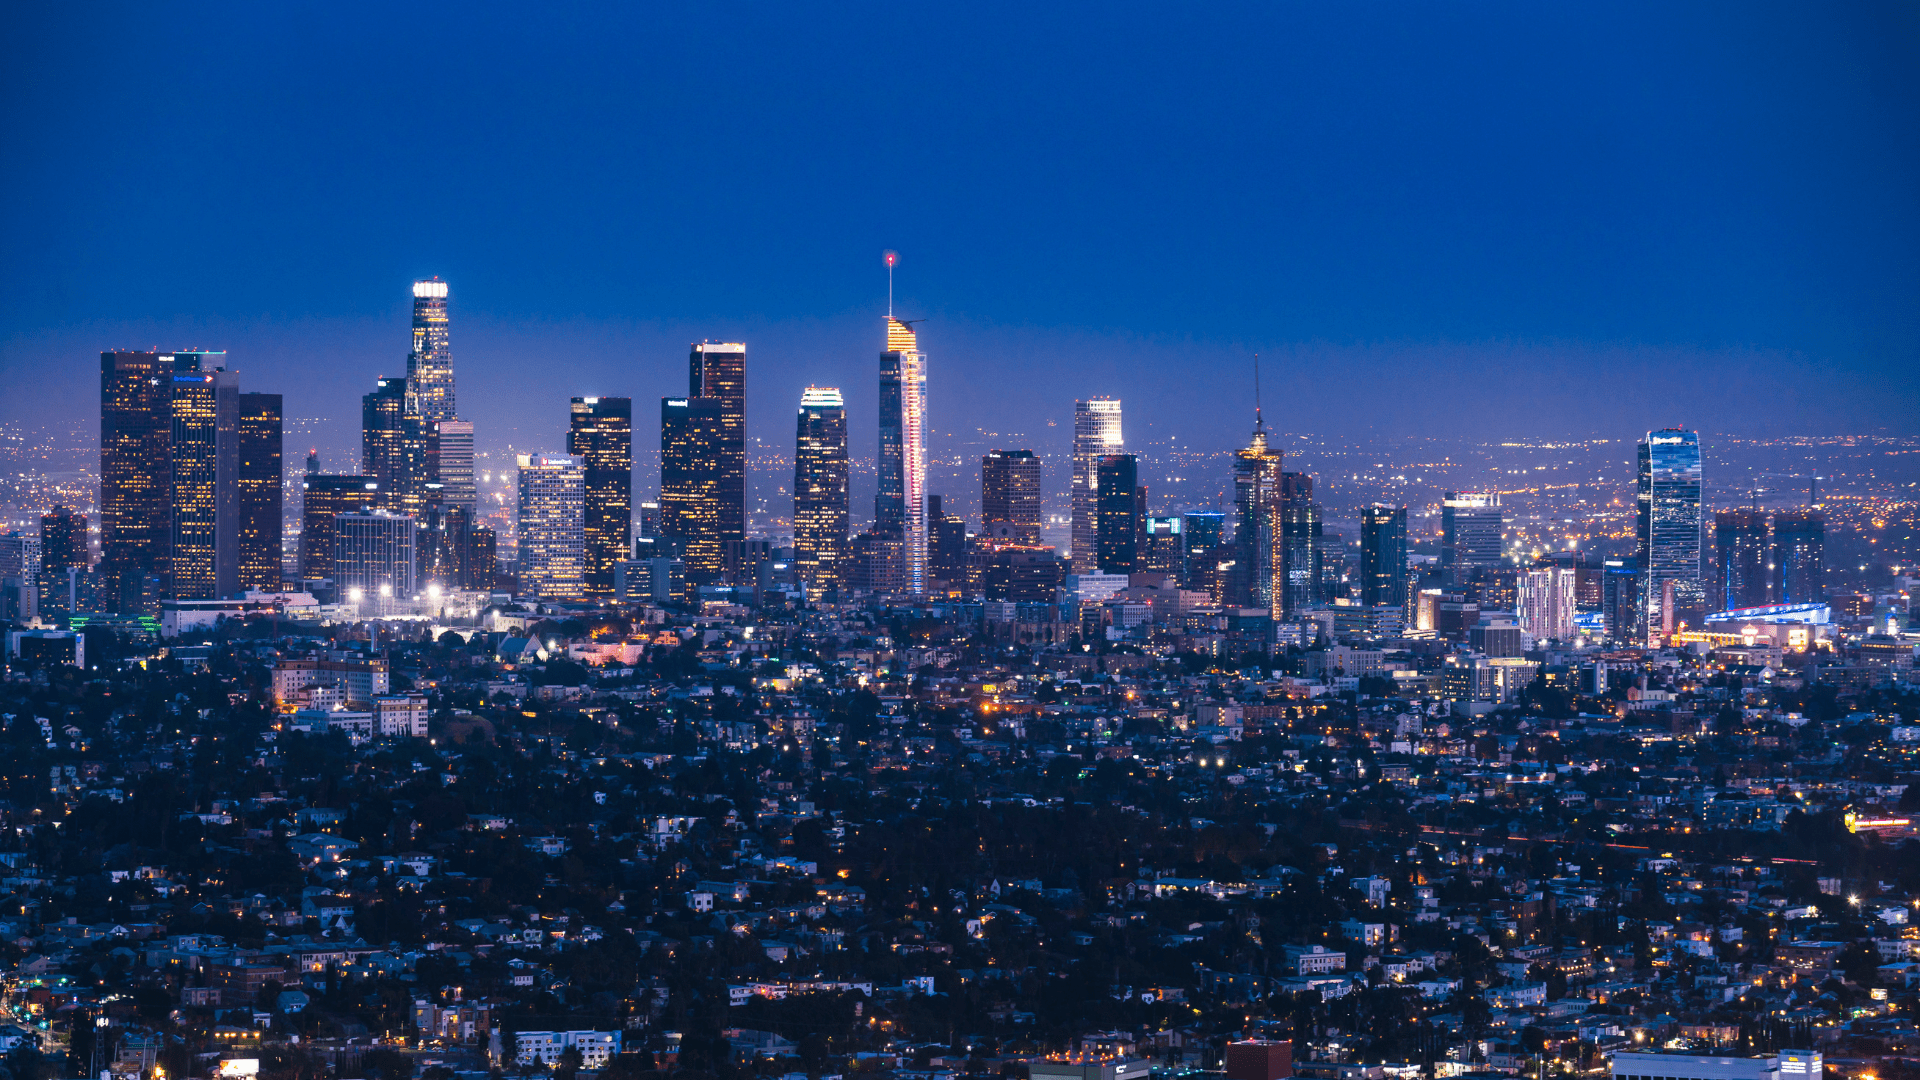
(1471, 528)
(430, 363)
(1302, 558)
(260, 491)
(1799, 545)
(453, 463)
(137, 483)
(64, 560)
(691, 433)
(1669, 528)
(374, 556)
(719, 371)
(1096, 433)
(1383, 556)
(1258, 579)
(820, 476)
(1546, 603)
(601, 436)
(1010, 496)
(901, 504)
(323, 498)
(1166, 547)
(204, 560)
(1740, 545)
(394, 446)
(552, 527)
(1119, 516)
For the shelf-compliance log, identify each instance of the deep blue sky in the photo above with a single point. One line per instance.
(1432, 217)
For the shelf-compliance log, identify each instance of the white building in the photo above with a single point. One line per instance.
(401, 716)
(1548, 603)
(1785, 1065)
(596, 1047)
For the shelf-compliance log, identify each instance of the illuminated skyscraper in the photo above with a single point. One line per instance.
(430, 363)
(552, 527)
(1471, 527)
(1120, 514)
(691, 433)
(1258, 500)
(719, 371)
(453, 463)
(1741, 550)
(204, 451)
(1546, 603)
(260, 480)
(1096, 433)
(1669, 529)
(136, 473)
(1010, 496)
(601, 436)
(395, 446)
(1799, 544)
(1383, 556)
(1303, 557)
(324, 498)
(901, 504)
(64, 559)
(374, 558)
(820, 474)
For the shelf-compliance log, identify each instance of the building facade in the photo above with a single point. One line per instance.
(1741, 544)
(718, 370)
(205, 455)
(261, 526)
(552, 527)
(1119, 514)
(601, 436)
(820, 477)
(374, 556)
(1096, 433)
(430, 361)
(901, 504)
(394, 446)
(691, 431)
(1799, 548)
(1472, 528)
(1010, 496)
(324, 497)
(1258, 499)
(453, 463)
(1669, 530)
(1383, 556)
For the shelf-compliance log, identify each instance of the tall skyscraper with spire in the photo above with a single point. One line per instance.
(1259, 567)
(430, 364)
(901, 504)
(1096, 433)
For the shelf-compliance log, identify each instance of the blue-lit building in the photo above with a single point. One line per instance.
(1671, 588)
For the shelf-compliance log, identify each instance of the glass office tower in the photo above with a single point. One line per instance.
(692, 431)
(1010, 496)
(1383, 556)
(430, 362)
(260, 492)
(718, 370)
(901, 504)
(394, 446)
(1740, 545)
(1799, 545)
(1669, 529)
(1258, 500)
(1119, 514)
(820, 475)
(600, 434)
(1096, 433)
(552, 527)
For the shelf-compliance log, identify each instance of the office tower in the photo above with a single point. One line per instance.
(1546, 603)
(901, 504)
(453, 463)
(1202, 535)
(647, 520)
(323, 498)
(204, 448)
(1096, 433)
(1119, 516)
(691, 433)
(1471, 528)
(1166, 546)
(1258, 501)
(430, 364)
(394, 446)
(1010, 496)
(1302, 558)
(64, 561)
(142, 478)
(374, 556)
(820, 489)
(552, 527)
(260, 480)
(313, 461)
(1669, 529)
(1799, 542)
(601, 436)
(946, 549)
(719, 371)
(1021, 574)
(1383, 556)
(1740, 545)
(483, 563)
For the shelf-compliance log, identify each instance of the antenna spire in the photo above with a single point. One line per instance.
(1259, 424)
(892, 257)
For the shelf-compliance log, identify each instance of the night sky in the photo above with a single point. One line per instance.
(1428, 218)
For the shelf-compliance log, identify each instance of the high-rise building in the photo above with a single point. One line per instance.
(1096, 433)
(374, 557)
(430, 363)
(1302, 561)
(453, 463)
(146, 400)
(691, 431)
(64, 561)
(901, 504)
(204, 448)
(323, 498)
(395, 446)
(1165, 552)
(1740, 546)
(1119, 514)
(552, 527)
(260, 492)
(1383, 556)
(1547, 603)
(718, 370)
(647, 520)
(946, 549)
(1669, 529)
(1799, 544)
(1010, 496)
(1203, 534)
(1472, 525)
(1259, 566)
(601, 436)
(820, 476)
